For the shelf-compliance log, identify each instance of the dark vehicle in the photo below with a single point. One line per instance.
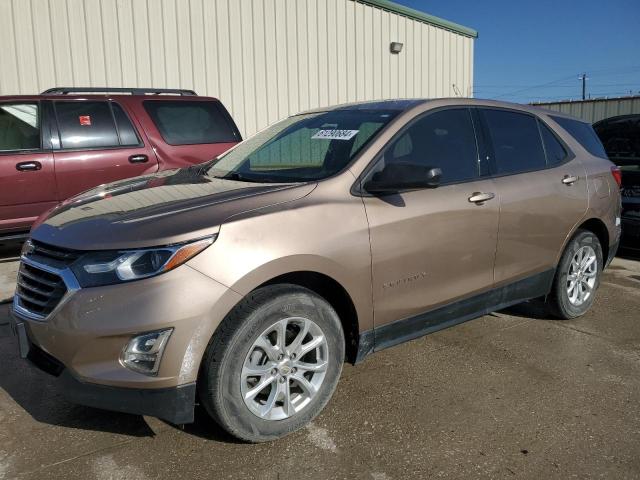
(621, 139)
(67, 140)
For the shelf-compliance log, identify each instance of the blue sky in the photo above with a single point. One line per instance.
(535, 50)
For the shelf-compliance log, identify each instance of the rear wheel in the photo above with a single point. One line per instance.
(577, 277)
(273, 364)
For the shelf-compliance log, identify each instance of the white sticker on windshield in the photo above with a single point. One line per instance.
(335, 134)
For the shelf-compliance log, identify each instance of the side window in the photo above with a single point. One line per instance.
(86, 124)
(556, 153)
(445, 140)
(516, 141)
(126, 131)
(190, 122)
(19, 127)
(584, 134)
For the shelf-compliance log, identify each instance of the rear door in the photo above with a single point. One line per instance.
(433, 246)
(542, 189)
(96, 143)
(26, 166)
(188, 130)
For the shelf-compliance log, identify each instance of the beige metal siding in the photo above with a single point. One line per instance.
(595, 110)
(265, 59)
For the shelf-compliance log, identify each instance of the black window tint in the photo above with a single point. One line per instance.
(190, 122)
(516, 141)
(584, 134)
(19, 126)
(127, 132)
(445, 140)
(86, 125)
(556, 153)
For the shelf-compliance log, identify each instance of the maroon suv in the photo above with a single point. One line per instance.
(67, 140)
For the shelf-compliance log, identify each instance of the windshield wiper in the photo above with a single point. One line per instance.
(238, 177)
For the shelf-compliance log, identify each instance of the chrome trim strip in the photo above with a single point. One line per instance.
(67, 277)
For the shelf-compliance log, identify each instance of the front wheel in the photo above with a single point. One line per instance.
(577, 277)
(273, 364)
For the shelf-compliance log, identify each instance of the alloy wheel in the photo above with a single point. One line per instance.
(284, 368)
(582, 275)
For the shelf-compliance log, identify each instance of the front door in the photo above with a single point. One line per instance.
(434, 246)
(97, 144)
(26, 168)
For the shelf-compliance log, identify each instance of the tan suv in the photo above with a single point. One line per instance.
(243, 283)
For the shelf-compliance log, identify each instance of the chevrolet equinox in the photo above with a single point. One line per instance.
(243, 284)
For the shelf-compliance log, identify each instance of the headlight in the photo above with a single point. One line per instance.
(109, 267)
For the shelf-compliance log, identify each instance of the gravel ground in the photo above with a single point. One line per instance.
(511, 394)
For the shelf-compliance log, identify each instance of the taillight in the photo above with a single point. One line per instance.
(617, 175)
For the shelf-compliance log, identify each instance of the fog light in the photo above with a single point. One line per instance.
(144, 352)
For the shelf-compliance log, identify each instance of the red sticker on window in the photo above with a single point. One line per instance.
(85, 119)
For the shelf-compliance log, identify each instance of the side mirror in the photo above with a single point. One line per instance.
(396, 177)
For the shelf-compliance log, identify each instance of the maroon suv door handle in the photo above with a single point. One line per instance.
(569, 179)
(28, 166)
(138, 159)
(480, 197)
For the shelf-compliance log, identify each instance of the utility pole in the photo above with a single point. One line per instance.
(583, 77)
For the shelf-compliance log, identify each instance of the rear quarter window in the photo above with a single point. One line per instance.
(584, 135)
(191, 122)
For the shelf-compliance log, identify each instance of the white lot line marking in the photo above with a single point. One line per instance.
(380, 476)
(320, 438)
(5, 465)
(67, 460)
(633, 291)
(106, 468)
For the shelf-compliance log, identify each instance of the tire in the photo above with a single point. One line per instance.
(239, 347)
(559, 301)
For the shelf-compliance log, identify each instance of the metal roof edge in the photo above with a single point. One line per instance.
(588, 100)
(421, 16)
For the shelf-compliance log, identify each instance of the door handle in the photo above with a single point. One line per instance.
(479, 197)
(28, 166)
(569, 179)
(138, 159)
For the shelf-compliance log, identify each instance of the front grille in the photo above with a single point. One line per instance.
(39, 291)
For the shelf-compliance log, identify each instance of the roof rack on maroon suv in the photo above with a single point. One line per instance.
(67, 140)
(132, 91)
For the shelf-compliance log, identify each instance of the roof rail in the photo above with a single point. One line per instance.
(132, 91)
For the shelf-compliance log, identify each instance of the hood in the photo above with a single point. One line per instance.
(159, 209)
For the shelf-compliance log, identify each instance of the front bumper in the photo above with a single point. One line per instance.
(173, 404)
(81, 343)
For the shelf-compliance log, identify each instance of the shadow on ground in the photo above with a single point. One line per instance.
(36, 393)
(9, 250)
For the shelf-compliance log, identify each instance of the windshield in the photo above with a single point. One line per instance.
(302, 148)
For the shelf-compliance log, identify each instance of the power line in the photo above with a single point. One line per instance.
(482, 87)
(542, 85)
(599, 72)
